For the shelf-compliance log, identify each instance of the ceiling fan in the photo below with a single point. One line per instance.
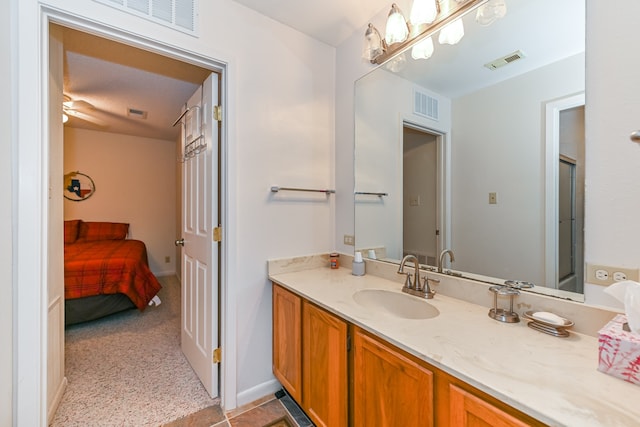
(80, 109)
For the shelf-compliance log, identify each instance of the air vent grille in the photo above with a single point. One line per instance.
(177, 14)
(136, 113)
(505, 60)
(425, 105)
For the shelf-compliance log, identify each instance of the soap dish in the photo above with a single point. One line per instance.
(547, 327)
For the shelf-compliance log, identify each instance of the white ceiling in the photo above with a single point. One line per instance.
(114, 77)
(330, 21)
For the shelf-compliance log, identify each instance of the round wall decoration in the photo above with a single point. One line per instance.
(78, 186)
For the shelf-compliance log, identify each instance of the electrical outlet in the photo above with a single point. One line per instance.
(349, 239)
(493, 198)
(619, 276)
(607, 275)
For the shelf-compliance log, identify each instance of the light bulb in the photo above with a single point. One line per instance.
(452, 33)
(65, 118)
(397, 29)
(493, 10)
(423, 12)
(423, 49)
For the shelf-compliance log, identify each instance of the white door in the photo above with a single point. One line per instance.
(199, 336)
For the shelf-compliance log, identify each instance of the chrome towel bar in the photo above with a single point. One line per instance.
(275, 189)
(367, 193)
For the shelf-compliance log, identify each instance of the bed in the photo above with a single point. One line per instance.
(104, 272)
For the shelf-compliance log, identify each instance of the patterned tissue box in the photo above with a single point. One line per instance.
(619, 351)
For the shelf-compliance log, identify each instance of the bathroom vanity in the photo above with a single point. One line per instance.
(352, 351)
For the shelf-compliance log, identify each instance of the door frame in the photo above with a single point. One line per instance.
(552, 153)
(30, 143)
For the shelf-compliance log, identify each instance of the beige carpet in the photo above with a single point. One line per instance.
(128, 370)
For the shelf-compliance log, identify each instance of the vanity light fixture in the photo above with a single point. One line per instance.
(427, 18)
(397, 28)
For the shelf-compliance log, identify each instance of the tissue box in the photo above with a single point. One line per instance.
(619, 351)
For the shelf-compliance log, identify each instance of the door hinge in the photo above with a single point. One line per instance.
(217, 355)
(217, 234)
(217, 113)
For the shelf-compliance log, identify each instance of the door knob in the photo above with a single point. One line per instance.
(180, 242)
(635, 136)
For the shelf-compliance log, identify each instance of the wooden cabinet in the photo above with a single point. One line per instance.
(376, 383)
(468, 410)
(389, 388)
(310, 357)
(287, 335)
(324, 367)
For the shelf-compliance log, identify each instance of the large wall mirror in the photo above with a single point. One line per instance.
(487, 161)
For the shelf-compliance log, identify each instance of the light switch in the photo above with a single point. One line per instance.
(493, 198)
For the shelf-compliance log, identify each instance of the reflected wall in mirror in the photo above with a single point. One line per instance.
(476, 160)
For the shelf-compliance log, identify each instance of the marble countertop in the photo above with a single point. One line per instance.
(555, 380)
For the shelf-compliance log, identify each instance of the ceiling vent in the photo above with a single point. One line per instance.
(177, 14)
(425, 105)
(505, 60)
(136, 113)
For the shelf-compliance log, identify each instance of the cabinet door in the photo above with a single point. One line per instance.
(324, 367)
(470, 411)
(389, 388)
(287, 348)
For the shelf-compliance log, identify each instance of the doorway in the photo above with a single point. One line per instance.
(423, 193)
(187, 60)
(564, 193)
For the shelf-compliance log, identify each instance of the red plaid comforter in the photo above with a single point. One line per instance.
(109, 267)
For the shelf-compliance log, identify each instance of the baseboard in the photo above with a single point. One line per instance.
(164, 273)
(258, 392)
(53, 407)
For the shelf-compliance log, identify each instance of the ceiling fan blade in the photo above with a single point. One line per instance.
(86, 117)
(78, 105)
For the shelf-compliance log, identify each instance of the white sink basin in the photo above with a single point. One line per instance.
(395, 304)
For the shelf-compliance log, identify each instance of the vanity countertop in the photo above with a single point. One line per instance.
(555, 380)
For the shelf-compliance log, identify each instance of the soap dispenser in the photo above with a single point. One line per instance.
(357, 265)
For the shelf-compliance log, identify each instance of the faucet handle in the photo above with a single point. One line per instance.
(407, 281)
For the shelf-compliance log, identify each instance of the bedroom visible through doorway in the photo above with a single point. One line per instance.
(129, 143)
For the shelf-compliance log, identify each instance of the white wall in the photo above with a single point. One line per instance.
(612, 199)
(135, 184)
(280, 131)
(612, 112)
(6, 217)
(507, 157)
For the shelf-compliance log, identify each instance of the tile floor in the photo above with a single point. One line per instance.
(267, 412)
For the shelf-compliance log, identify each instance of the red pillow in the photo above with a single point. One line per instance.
(91, 231)
(71, 230)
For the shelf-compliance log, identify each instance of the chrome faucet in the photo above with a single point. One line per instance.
(416, 288)
(441, 259)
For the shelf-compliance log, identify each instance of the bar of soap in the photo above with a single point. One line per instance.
(545, 316)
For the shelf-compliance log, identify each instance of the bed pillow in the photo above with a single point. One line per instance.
(92, 231)
(71, 228)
